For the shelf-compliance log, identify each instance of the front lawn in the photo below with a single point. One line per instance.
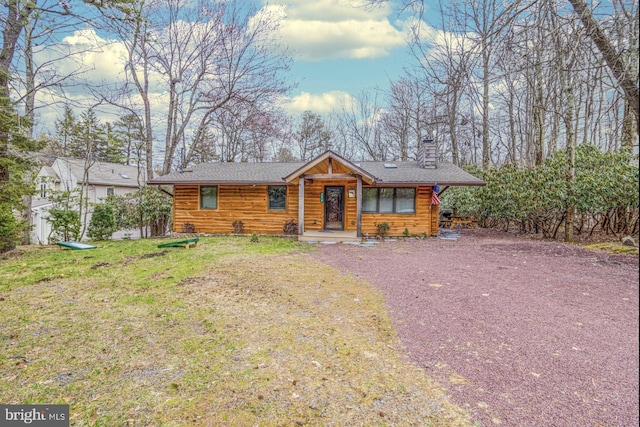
(228, 333)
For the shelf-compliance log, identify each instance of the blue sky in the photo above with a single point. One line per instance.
(341, 49)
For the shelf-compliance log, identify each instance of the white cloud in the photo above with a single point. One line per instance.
(104, 58)
(337, 29)
(334, 10)
(438, 40)
(92, 61)
(323, 103)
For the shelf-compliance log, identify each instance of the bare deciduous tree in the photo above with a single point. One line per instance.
(358, 125)
(626, 77)
(502, 93)
(404, 122)
(205, 56)
(312, 136)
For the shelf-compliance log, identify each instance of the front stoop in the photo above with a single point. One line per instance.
(329, 236)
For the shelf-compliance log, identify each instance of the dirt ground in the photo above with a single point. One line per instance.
(520, 332)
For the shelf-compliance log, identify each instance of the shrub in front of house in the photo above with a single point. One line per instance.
(103, 223)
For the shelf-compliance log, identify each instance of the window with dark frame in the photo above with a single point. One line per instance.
(111, 191)
(389, 200)
(208, 197)
(277, 197)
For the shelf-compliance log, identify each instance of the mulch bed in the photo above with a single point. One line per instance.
(520, 332)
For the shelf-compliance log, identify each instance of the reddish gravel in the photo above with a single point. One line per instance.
(520, 332)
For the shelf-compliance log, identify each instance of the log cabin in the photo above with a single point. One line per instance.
(326, 194)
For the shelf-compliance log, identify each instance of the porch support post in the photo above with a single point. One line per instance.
(359, 206)
(301, 205)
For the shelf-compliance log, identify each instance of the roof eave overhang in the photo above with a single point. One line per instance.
(428, 183)
(216, 182)
(110, 184)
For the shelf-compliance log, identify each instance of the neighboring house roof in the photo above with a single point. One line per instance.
(103, 173)
(39, 202)
(49, 171)
(395, 173)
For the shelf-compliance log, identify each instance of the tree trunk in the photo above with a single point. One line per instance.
(565, 58)
(15, 21)
(570, 170)
(538, 117)
(628, 81)
(629, 128)
(453, 114)
(486, 144)
(141, 82)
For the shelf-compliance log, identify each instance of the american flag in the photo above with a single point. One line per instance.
(435, 200)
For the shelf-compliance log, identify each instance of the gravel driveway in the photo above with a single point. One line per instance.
(520, 332)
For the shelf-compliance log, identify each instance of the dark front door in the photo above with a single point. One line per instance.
(334, 208)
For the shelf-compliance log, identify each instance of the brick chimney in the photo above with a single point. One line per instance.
(427, 154)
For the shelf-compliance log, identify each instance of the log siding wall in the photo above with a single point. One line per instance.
(247, 203)
(250, 204)
(418, 223)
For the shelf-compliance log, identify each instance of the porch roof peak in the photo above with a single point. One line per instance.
(330, 155)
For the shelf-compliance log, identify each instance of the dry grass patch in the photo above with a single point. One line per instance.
(614, 248)
(254, 339)
(315, 347)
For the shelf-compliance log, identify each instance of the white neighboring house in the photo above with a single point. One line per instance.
(67, 174)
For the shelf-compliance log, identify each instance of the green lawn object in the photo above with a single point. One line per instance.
(186, 243)
(76, 246)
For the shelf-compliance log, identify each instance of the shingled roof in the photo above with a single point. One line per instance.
(230, 173)
(103, 173)
(386, 173)
(411, 173)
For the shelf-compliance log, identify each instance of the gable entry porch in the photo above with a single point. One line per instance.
(330, 198)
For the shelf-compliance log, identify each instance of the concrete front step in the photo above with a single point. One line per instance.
(329, 236)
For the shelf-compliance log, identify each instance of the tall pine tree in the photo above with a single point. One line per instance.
(61, 146)
(130, 132)
(14, 162)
